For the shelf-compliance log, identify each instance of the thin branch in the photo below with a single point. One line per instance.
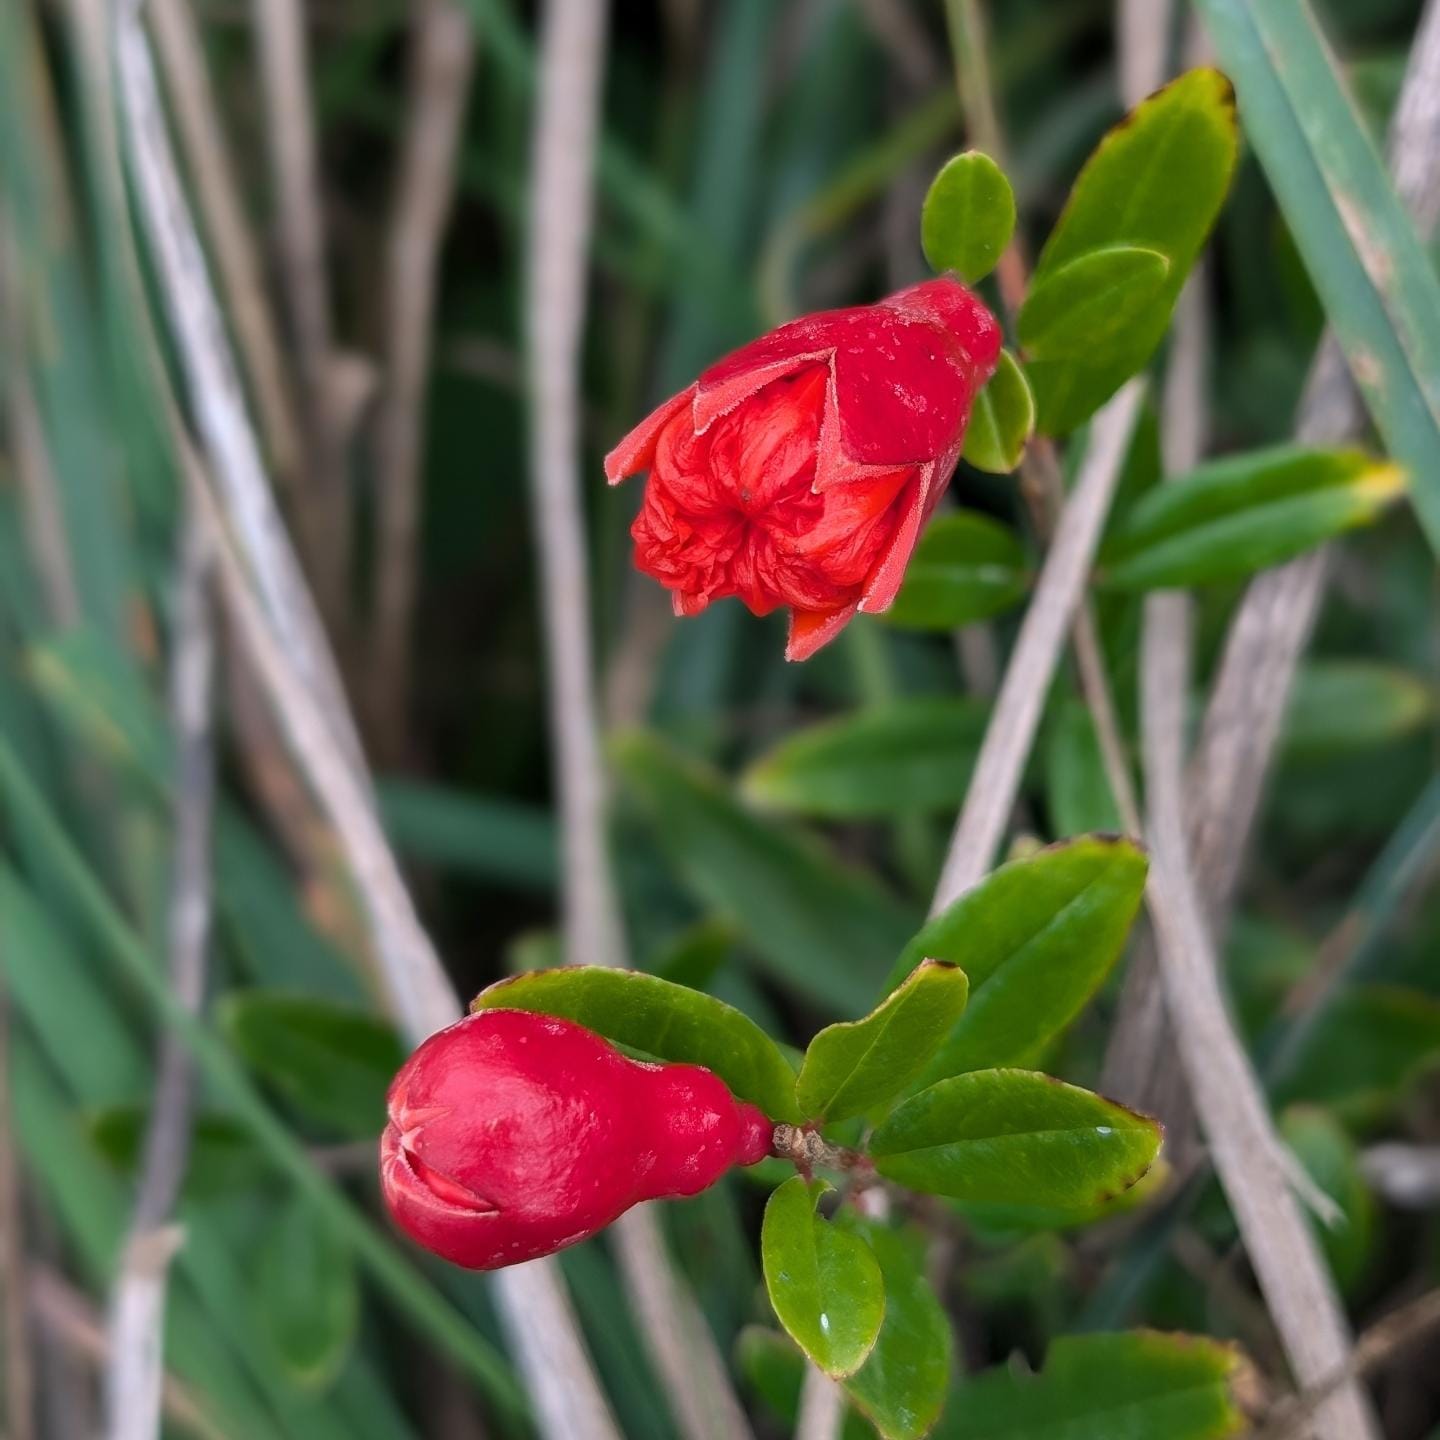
(1058, 593)
(322, 509)
(135, 1372)
(696, 1384)
(1246, 1151)
(1381, 1343)
(441, 61)
(217, 194)
(283, 637)
(19, 1351)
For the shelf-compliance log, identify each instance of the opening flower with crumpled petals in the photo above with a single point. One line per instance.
(799, 470)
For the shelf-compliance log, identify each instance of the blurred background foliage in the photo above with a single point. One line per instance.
(758, 159)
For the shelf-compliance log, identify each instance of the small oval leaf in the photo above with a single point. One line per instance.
(852, 1067)
(1156, 181)
(659, 1018)
(1002, 420)
(1080, 307)
(1036, 938)
(966, 567)
(968, 216)
(823, 1281)
(1014, 1137)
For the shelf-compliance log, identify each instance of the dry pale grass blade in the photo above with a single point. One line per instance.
(134, 1373)
(322, 503)
(696, 1383)
(181, 57)
(441, 60)
(1057, 597)
(1246, 1151)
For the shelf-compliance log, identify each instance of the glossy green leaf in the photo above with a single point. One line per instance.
(823, 1281)
(661, 1019)
(823, 928)
(1020, 1218)
(222, 1160)
(1157, 182)
(1077, 789)
(1083, 306)
(332, 1062)
(1342, 705)
(1002, 419)
(901, 1387)
(968, 217)
(1232, 517)
(1035, 938)
(307, 1295)
(1363, 1049)
(908, 756)
(852, 1067)
(1332, 1161)
(1376, 282)
(1136, 1386)
(966, 567)
(1014, 1137)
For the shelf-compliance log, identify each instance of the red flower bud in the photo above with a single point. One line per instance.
(513, 1135)
(799, 470)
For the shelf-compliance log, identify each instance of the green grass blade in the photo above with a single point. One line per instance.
(1377, 285)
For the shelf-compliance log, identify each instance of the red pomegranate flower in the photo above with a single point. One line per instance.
(513, 1135)
(799, 470)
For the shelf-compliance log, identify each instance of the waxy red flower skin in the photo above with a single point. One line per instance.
(799, 470)
(512, 1135)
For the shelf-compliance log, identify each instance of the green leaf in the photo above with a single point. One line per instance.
(1077, 790)
(909, 756)
(966, 567)
(1343, 705)
(818, 926)
(1008, 1221)
(1156, 182)
(901, 1386)
(823, 1281)
(852, 1067)
(223, 1159)
(1233, 517)
(1085, 305)
(1035, 938)
(1332, 1161)
(1374, 278)
(332, 1062)
(968, 216)
(307, 1296)
(1002, 419)
(661, 1019)
(1363, 1049)
(1137, 1386)
(1014, 1137)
